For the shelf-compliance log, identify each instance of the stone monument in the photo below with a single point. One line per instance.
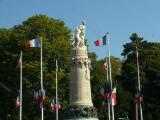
(80, 106)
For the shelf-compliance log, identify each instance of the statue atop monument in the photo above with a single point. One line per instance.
(79, 36)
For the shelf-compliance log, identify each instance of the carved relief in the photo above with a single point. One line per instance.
(80, 62)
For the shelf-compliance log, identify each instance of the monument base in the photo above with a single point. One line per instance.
(81, 113)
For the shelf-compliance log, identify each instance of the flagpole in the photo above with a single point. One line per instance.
(56, 91)
(42, 111)
(109, 60)
(136, 109)
(139, 85)
(109, 111)
(110, 70)
(141, 112)
(20, 85)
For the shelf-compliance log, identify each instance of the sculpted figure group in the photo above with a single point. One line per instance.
(79, 35)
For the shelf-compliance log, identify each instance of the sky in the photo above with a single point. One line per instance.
(120, 18)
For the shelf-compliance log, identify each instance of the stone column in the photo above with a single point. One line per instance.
(80, 90)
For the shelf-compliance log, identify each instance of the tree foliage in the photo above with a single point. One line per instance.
(99, 79)
(56, 45)
(149, 74)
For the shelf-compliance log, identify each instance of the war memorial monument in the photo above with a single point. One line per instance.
(80, 103)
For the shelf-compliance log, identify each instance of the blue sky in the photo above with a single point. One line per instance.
(118, 17)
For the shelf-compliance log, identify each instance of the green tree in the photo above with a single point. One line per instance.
(56, 45)
(148, 55)
(98, 80)
(129, 69)
(151, 67)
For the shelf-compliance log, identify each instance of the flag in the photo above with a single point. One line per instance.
(105, 91)
(57, 106)
(41, 97)
(113, 96)
(101, 42)
(52, 105)
(32, 43)
(104, 66)
(138, 98)
(35, 98)
(17, 102)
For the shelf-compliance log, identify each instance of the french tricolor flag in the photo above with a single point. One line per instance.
(101, 42)
(32, 43)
